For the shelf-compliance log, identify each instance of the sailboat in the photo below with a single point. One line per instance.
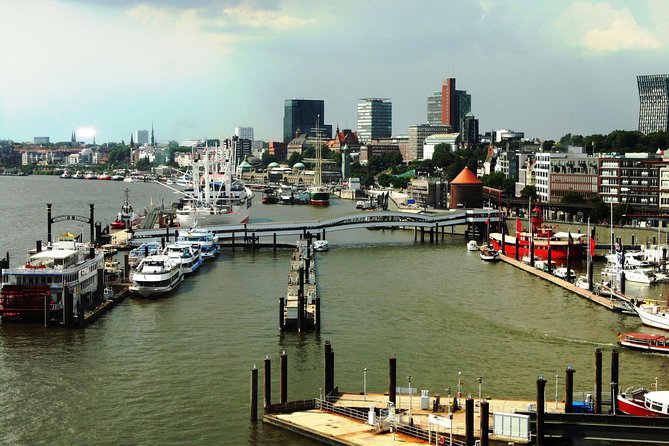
(217, 198)
(319, 195)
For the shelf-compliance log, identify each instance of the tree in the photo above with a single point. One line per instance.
(529, 192)
(572, 198)
(266, 158)
(143, 164)
(294, 158)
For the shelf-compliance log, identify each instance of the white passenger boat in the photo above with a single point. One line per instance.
(644, 403)
(563, 273)
(63, 266)
(204, 239)
(187, 254)
(156, 275)
(145, 249)
(582, 282)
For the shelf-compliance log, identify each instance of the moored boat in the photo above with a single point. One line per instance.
(145, 249)
(37, 287)
(156, 275)
(126, 218)
(66, 175)
(488, 254)
(582, 282)
(644, 403)
(653, 315)
(204, 239)
(187, 253)
(647, 342)
(563, 273)
(320, 245)
(563, 245)
(472, 245)
(104, 176)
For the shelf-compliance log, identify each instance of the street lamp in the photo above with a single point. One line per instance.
(364, 382)
(448, 392)
(480, 388)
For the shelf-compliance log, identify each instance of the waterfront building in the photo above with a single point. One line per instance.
(375, 149)
(470, 131)
(375, 118)
(556, 174)
(304, 115)
(244, 133)
(632, 179)
(344, 138)
(278, 149)
(466, 190)
(417, 135)
(452, 139)
(141, 137)
(653, 103)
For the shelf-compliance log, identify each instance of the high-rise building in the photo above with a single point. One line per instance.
(653, 103)
(305, 115)
(448, 106)
(244, 133)
(417, 135)
(141, 137)
(375, 119)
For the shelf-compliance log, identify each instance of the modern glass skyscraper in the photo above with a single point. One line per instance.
(375, 119)
(302, 114)
(653, 103)
(448, 106)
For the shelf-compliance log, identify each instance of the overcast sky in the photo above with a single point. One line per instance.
(200, 68)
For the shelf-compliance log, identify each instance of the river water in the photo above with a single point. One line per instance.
(176, 370)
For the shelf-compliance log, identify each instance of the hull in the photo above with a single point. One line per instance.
(560, 250)
(643, 403)
(148, 290)
(319, 197)
(645, 346)
(653, 316)
(202, 217)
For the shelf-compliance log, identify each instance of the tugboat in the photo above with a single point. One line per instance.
(126, 217)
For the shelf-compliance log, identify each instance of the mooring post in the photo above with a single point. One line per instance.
(569, 390)
(46, 310)
(622, 281)
(283, 378)
(614, 381)
(517, 244)
(254, 394)
(267, 376)
(469, 421)
(318, 314)
(392, 380)
(300, 302)
(548, 265)
(126, 267)
(484, 422)
(431, 235)
(422, 234)
(323, 236)
(541, 385)
(503, 241)
(67, 307)
(633, 240)
(48, 222)
(253, 241)
(167, 234)
(598, 381)
(328, 357)
(282, 321)
(274, 243)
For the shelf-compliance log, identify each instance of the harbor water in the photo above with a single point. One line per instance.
(176, 370)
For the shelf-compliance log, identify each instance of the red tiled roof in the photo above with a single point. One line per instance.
(466, 177)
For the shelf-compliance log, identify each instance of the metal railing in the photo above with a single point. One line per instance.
(291, 406)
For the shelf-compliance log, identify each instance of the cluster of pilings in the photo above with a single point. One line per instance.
(4, 263)
(300, 308)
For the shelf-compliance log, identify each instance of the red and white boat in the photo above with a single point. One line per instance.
(646, 342)
(126, 218)
(563, 245)
(644, 403)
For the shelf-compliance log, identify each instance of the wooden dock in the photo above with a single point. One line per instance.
(610, 303)
(300, 309)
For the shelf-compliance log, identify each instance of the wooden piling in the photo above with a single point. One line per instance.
(254, 394)
(469, 421)
(541, 403)
(283, 378)
(392, 380)
(569, 390)
(267, 377)
(484, 422)
(597, 409)
(274, 242)
(431, 235)
(318, 313)
(282, 314)
(328, 385)
(550, 267)
(232, 241)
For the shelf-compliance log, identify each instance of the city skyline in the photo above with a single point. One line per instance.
(201, 68)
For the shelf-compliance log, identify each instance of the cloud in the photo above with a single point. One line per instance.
(265, 18)
(598, 27)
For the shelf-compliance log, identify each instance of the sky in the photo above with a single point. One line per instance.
(200, 68)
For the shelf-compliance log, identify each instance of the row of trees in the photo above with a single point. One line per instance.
(617, 141)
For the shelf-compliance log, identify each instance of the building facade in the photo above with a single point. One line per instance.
(653, 103)
(448, 106)
(417, 135)
(141, 137)
(244, 133)
(307, 115)
(375, 119)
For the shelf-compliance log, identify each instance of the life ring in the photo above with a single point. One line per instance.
(442, 440)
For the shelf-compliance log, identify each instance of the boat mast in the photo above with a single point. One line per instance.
(611, 235)
(317, 173)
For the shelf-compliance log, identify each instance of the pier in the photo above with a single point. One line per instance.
(363, 419)
(300, 309)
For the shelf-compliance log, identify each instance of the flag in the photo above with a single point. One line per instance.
(519, 226)
(592, 247)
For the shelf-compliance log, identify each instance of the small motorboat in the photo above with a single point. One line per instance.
(582, 282)
(321, 245)
(653, 315)
(472, 245)
(644, 403)
(488, 254)
(543, 265)
(562, 273)
(647, 342)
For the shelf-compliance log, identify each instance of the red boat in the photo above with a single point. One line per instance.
(644, 341)
(644, 403)
(126, 218)
(563, 245)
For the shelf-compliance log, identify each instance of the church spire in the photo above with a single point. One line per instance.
(153, 141)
